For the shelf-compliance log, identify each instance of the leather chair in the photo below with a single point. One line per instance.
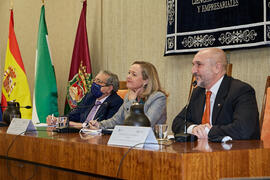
(122, 91)
(265, 115)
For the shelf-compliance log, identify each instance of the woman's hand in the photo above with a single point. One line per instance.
(133, 94)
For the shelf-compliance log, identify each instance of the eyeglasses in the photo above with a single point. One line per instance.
(100, 82)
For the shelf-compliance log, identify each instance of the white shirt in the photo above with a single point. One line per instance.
(214, 89)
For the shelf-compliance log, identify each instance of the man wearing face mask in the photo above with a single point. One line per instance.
(102, 102)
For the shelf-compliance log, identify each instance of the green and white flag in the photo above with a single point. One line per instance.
(45, 92)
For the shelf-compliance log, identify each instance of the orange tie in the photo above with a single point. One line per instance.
(206, 114)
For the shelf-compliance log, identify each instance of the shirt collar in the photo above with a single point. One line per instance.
(214, 89)
(103, 99)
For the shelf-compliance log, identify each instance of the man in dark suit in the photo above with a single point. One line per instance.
(102, 102)
(233, 111)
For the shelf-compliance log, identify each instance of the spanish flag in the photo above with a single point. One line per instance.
(15, 86)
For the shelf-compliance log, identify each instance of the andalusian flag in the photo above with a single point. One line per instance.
(15, 86)
(79, 81)
(45, 92)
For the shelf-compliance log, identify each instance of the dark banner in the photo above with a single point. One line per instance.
(227, 24)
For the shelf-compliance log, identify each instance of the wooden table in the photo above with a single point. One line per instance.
(49, 155)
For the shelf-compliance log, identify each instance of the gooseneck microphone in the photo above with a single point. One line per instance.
(194, 83)
(105, 104)
(186, 137)
(26, 107)
(91, 105)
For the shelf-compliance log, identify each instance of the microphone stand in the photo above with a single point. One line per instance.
(186, 137)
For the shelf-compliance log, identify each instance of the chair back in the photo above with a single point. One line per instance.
(122, 85)
(123, 90)
(229, 69)
(265, 113)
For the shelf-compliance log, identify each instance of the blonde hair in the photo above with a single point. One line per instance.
(149, 72)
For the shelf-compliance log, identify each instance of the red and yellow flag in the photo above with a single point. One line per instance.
(15, 85)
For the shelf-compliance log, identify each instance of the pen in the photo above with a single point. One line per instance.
(95, 124)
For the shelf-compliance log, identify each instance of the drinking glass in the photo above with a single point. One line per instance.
(62, 122)
(161, 132)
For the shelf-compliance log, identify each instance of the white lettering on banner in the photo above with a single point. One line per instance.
(214, 6)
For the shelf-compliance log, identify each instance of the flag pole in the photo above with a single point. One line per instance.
(11, 4)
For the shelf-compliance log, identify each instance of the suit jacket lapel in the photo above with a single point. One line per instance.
(199, 101)
(100, 109)
(103, 106)
(221, 97)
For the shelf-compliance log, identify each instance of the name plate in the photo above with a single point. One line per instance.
(132, 135)
(20, 126)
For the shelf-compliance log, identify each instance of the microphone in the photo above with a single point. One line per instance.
(26, 107)
(186, 137)
(194, 83)
(80, 107)
(91, 105)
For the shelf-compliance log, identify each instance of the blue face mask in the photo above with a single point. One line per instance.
(95, 90)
